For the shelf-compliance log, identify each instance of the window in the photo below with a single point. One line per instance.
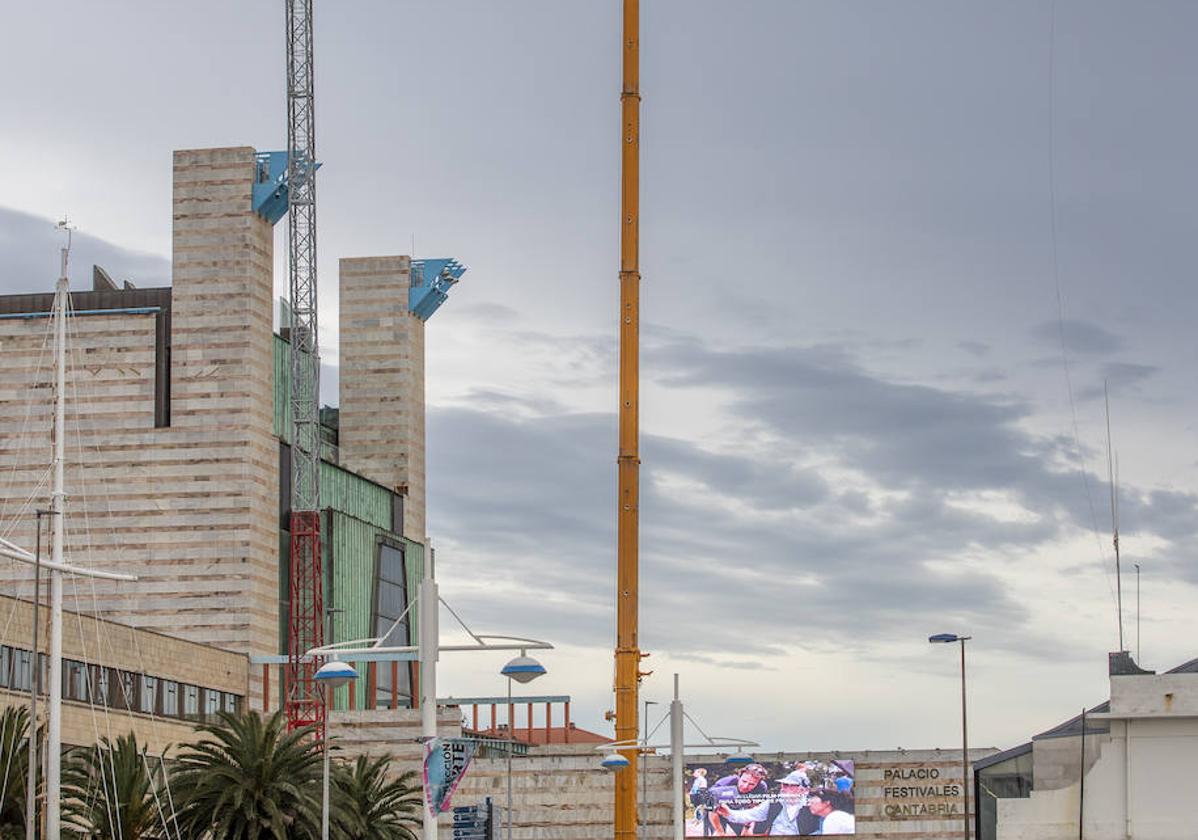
(21, 672)
(390, 601)
(191, 702)
(5, 666)
(101, 685)
(74, 680)
(211, 703)
(170, 698)
(126, 690)
(147, 702)
(230, 701)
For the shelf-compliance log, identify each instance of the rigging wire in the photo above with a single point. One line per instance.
(1084, 467)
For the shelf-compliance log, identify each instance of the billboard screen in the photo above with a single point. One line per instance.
(769, 799)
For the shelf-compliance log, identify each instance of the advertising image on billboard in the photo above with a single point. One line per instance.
(769, 799)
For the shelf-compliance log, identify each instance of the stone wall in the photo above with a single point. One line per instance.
(95, 641)
(382, 381)
(190, 509)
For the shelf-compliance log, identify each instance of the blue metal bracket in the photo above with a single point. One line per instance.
(431, 280)
(270, 185)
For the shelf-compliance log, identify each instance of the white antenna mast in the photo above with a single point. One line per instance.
(57, 566)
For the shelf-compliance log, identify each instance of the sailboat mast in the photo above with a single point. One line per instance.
(57, 511)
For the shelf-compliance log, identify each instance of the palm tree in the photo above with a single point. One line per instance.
(249, 779)
(373, 806)
(110, 792)
(14, 768)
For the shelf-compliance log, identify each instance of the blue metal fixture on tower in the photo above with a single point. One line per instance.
(270, 186)
(431, 280)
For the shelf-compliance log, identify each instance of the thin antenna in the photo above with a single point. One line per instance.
(1110, 466)
(1137, 613)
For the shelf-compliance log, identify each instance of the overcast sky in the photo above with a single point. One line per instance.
(872, 379)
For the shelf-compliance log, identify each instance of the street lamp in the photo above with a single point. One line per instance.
(331, 675)
(645, 773)
(944, 639)
(615, 761)
(428, 651)
(523, 669)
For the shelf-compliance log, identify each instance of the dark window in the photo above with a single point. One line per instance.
(396, 513)
(21, 671)
(191, 702)
(390, 601)
(170, 698)
(126, 690)
(211, 703)
(101, 680)
(148, 695)
(74, 680)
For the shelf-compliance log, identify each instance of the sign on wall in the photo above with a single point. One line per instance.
(770, 799)
(919, 792)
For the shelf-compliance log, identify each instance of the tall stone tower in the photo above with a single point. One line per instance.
(385, 302)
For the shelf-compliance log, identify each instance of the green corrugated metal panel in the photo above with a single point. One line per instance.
(349, 493)
(282, 391)
(351, 548)
(351, 543)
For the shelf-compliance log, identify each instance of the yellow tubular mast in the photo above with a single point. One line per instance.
(628, 655)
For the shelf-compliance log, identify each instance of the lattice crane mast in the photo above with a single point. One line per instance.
(304, 703)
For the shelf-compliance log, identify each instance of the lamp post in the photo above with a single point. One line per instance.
(331, 675)
(645, 775)
(428, 651)
(949, 638)
(523, 669)
(615, 761)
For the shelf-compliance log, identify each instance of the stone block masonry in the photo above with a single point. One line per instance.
(191, 509)
(382, 381)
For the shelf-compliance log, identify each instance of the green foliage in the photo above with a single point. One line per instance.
(373, 806)
(115, 792)
(249, 779)
(14, 770)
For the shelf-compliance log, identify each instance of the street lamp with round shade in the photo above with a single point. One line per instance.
(335, 674)
(332, 674)
(944, 639)
(523, 669)
(614, 761)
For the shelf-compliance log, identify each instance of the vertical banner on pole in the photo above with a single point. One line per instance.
(445, 763)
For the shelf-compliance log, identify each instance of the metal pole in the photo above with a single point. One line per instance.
(57, 506)
(1081, 796)
(644, 803)
(676, 742)
(964, 746)
(511, 737)
(324, 802)
(1137, 613)
(429, 651)
(628, 654)
(34, 686)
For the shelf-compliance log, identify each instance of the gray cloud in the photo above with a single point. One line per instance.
(29, 260)
(1082, 338)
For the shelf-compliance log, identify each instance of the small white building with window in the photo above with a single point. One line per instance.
(1129, 770)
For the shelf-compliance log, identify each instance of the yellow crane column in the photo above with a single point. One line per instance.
(628, 655)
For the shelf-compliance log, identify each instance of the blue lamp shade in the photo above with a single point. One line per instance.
(335, 674)
(739, 759)
(614, 761)
(943, 637)
(523, 669)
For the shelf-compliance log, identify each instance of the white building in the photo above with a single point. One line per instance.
(1133, 775)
